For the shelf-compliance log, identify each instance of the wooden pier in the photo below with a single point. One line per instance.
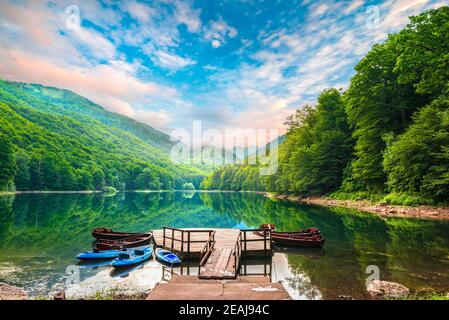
(219, 254)
(218, 251)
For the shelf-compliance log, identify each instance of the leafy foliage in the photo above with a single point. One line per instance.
(7, 164)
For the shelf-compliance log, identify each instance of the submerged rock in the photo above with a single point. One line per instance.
(387, 289)
(8, 292)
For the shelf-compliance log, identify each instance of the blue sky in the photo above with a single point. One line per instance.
(230, 63)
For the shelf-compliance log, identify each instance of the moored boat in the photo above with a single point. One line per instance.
(93, 264)
(132, 257)
(130, 242)
(108, 234)
(307, 232)
(99, 254)
(299, 241)
(166, 256)
(309, 237)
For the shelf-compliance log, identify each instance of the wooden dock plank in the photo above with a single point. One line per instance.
(217, 266)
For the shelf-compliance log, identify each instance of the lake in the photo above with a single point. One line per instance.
(40, 234)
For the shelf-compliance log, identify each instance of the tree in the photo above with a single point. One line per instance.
(147, 180)
(7, 163)
(417, 163)
(424, 47)
(98, 178)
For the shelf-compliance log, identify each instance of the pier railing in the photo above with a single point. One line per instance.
(237, 255)
(181, 239)
(265, 237)
(207, 250)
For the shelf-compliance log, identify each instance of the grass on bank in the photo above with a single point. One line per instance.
(426, 295)
(398, 199)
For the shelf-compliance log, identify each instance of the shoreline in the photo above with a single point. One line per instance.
(6, 193)
(383, 210)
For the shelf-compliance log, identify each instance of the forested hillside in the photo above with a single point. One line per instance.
(68, 103)
(53, 139)
(386, 137)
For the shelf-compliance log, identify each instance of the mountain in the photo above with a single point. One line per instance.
(75, 106)
(244, 152)
(210, 157)
(270, 149)
(62, 141)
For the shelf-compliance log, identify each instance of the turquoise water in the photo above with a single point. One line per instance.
(40, 234)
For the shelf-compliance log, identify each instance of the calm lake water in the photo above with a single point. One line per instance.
(40, 234)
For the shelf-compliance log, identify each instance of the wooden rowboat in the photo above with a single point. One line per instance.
(130, 242)
(299, 241)
(108, 234)
(308, 232)
(309, 237)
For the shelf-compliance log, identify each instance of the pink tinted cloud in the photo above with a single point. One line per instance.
(104, 84)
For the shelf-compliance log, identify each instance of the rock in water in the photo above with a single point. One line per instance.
(8, 292)
(387, 289)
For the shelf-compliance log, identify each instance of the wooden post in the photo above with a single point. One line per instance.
(265, 244)
(163, 237)
(172, 238)
(188, 242)
(244, 240)
(182, 242)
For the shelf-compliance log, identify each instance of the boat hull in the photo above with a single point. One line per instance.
(300, 242)
(108, 234)
(134, 257)
(93, 255)
(167, 257)
(130, 242)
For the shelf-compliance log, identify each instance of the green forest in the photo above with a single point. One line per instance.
(53, 139)
(385, 138)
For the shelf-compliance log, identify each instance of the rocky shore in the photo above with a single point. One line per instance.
(381, 209)
(8, 292)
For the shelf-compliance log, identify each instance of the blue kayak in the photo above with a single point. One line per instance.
(132, 257)
(99, 254)
(93, 264)
(167, 256)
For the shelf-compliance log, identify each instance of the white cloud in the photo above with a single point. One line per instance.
(96, 44)
(319, 9)
(353, 6)
(139, 11)
(171, 61)
(215, 43)
(188, 16)
(218, 31)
